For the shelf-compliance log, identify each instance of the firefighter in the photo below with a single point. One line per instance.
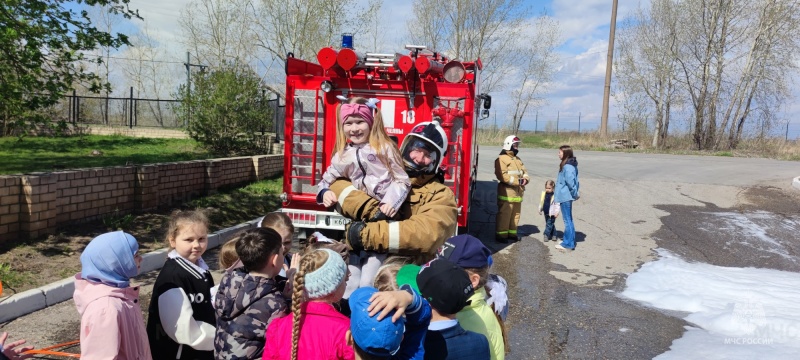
(429, 214)
(512, 178)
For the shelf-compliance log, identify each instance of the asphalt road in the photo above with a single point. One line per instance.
(565, 304)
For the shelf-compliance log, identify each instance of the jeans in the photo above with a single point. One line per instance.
(569, 227)
(549, 226)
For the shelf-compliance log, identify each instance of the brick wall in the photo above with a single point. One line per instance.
(35, 204)
(89, 194)
(267, 166)
(230, 171)
(10, 188)
(180, 181)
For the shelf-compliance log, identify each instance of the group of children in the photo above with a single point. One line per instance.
(274, 306)
(435, 311)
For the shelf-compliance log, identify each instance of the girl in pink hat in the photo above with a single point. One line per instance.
(366, 155)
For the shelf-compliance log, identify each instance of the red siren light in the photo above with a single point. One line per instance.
(454, 72)
(405, 63)
(428, 65)
(348, 59)
(327, 57)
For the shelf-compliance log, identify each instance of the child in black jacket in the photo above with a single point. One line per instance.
(181, 322)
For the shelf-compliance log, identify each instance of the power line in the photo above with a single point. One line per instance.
(129, 59)
(155, 61)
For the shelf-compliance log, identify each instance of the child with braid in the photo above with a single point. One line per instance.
(317, 285)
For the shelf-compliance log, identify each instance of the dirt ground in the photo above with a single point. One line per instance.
(39, 262)
(27, 264)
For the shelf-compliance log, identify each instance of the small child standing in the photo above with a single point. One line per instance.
(314, 329)
(112, 326)
(388, 324)
(365, 154)
(228, 260)
(547, 208)
(448, 290)
(181, 323)
(469, 253)
(281, 223)
(393, 276)
(249, 297)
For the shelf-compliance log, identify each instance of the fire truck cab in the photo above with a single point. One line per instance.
(413, 87)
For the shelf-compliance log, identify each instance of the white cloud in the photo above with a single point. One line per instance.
(162, 19)
(577, 87)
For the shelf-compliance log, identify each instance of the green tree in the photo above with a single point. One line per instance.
(41, 54)
(227, 110)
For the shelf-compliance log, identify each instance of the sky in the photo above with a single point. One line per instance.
(575, 97)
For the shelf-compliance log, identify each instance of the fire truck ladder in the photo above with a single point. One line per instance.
(305, 147)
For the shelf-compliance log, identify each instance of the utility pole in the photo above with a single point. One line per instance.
(609, 58)
(188, 64)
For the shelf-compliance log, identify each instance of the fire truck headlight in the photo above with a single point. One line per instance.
(326, 86)
(284, 197)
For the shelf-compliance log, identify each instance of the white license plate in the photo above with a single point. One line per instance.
(339, 221)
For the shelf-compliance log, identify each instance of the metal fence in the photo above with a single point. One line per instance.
(132, 112)
(116, 111)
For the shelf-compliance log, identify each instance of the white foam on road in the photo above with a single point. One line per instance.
(737, 313)
(753, 229)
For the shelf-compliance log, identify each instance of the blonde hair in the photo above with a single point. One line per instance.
(179, 218)
(550, 183)
(278, 221)
(379, 140)
(311, 261)
(386, 278)
(227, 254)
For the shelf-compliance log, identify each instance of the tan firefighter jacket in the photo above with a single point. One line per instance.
(509, 169)
(430, 217)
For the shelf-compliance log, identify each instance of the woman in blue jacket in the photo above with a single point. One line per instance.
(566, 192)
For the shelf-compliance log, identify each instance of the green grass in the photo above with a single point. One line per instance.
(11, 278)
(235, 206)
(47, 154)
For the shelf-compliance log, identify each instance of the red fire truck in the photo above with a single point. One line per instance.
(414, 87)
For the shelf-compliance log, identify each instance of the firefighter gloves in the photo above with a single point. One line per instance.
(353, 235)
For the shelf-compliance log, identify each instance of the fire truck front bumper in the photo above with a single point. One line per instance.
(312, 219)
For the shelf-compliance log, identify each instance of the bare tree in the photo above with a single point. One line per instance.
(745, 51)
(537, 66)
(220, 31)
(773, 48)
(150, 76)
(374, 30)
(472, 29)
(302, 27)
(647, 62)
(733, 59)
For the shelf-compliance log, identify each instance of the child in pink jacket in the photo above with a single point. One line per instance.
(112, 326)
(314, 329)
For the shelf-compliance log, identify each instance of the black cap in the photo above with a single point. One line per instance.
(445, 285)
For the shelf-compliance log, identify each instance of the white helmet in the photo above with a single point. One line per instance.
(510, 140)
(432, 137)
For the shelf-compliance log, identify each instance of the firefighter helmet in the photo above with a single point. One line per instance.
(510, 140)
(428, 135)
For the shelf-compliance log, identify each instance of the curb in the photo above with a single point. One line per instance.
(32, 300)
(796, 183)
